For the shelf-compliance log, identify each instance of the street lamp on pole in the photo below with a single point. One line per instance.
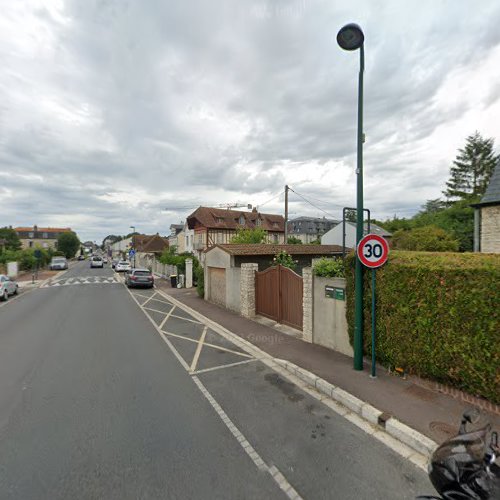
(351, 37)
(133, 241)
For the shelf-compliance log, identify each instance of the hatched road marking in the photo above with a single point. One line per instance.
(80, 280)
(275, 474)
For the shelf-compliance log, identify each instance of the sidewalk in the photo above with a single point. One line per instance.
(431, 413)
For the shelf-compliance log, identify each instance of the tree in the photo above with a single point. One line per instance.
(293, 240)
(256, 235)
(472, 168)
(425, 238)
(433, 206)
(68, 243)
(11, 238)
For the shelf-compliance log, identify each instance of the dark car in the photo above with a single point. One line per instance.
(139, 277)
(81, 257)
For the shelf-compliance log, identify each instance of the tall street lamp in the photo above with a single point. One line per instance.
(351, 37)
(133, 241)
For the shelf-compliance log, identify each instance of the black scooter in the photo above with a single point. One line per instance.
(464, 467)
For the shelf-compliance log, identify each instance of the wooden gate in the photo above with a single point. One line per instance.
(278, 295)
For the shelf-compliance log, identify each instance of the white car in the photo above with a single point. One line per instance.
(7, 287)
(58, 263)
(122, 266)
(96, 262)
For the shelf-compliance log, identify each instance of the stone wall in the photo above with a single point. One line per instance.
(307, 305)
(247, 290)
(490, 229)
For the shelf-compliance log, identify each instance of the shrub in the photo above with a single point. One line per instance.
(329, 268)
(426, 239)
(200, 281)
(284, 259)
(437, 317)
(256, 235)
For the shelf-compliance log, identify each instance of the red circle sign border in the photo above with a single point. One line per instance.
(383, 258)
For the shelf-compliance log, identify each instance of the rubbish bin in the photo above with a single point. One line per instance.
(173, 280)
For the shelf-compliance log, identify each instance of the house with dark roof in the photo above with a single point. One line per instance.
(308, 229)
(149, 244)
(45, 237)
(487, 217)
(214, 226)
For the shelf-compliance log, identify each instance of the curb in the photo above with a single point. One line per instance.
(392, 426)
(401, 438)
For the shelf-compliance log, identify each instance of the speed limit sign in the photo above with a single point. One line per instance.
(373, 250)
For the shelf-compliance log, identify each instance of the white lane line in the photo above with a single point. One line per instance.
(156, 310)
(208, 344)
(277, 476)
(197, 353)
(162, 335)
(140, 295)
(146, 301)
(187, 319)
(165, 319)
(205, 370)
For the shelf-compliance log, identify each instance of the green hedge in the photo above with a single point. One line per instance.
(438, 316)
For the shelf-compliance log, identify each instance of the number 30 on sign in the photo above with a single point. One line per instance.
(373, 250)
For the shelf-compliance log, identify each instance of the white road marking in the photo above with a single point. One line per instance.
(199, 347)
(214, 368)
(278, 477)
(214, 346)
(166, 317)
(187, 319)
(162, 335)
(156, 310)
(146, 301)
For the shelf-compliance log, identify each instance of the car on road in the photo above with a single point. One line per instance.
(96, 262)
(122, 266)
(105, 260)
(81, 257)
(7, 287)
(140, 277)
(114, 262)
(58, 263)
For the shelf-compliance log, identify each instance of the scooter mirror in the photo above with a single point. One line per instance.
(471, 416)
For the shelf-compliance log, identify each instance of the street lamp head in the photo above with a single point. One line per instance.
(350, 37)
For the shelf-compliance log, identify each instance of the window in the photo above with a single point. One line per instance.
(258, 222)
(275, 238)
(45, 235)
(242, 220)
(219, 220)
(275, 224)
(31, 235)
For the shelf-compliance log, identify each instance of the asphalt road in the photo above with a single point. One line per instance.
(95, 404)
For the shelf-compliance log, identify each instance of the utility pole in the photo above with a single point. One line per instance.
(286, 213)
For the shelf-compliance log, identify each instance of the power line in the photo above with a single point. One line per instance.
(266, 202)
(312, 204)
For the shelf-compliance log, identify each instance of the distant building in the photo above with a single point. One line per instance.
(175, 229)
(334, 236)
(308, 229)
(212, 226)
(487, 217)
(45, 237)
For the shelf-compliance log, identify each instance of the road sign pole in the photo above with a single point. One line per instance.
(374, 322)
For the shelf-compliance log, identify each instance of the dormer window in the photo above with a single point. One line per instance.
(242, 220)
(275, 224)
(219, 220)
(258, 222)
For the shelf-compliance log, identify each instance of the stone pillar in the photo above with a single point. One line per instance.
(247, 289)
(307, 305)
(189, 273)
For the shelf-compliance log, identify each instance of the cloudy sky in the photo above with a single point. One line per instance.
(133, 112)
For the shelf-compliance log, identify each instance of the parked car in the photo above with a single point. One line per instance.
(81, 257)
(105, 260)
(58, 263)
(7, 287)
(122, 266)
(96, 262)
(139, 277)
(114, 262)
